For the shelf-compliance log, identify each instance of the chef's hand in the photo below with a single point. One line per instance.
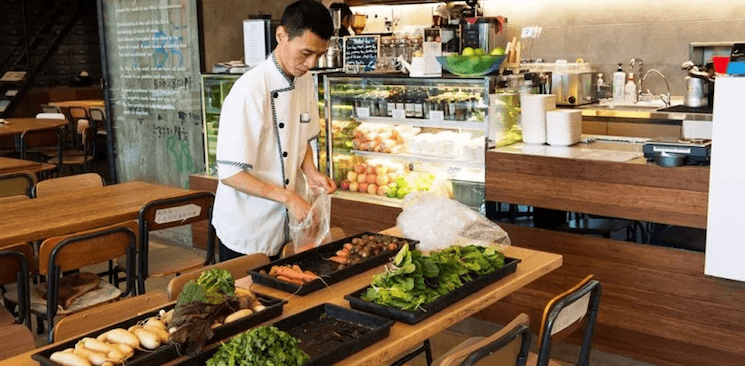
(297, 206)
(318, 179)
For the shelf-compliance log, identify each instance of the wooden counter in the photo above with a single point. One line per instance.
(577, 179)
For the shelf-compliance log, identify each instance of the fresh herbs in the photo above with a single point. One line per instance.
(263, 346)
(415, 279)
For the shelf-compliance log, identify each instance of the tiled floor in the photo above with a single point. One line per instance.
(441, 343)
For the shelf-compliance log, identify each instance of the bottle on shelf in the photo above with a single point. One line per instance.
(409, 103)
(619, 82)
(630, 94)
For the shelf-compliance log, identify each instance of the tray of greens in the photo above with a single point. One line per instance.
(319, 336)
(417, 286)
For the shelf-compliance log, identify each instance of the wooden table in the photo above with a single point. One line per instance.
(584, 178)
(17, 126)
(87, 104)
(402, 337)
(41, 218)
(8, 165)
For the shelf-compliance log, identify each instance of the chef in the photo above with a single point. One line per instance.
(267, 122)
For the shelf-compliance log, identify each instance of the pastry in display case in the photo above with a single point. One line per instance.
(215, 88)
(388, 136)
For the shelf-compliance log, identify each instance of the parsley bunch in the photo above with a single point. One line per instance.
(262, 346)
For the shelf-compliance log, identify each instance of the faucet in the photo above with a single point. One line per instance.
(638, 75)
(665, 98)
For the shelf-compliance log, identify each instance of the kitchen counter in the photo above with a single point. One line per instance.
(601, 178)
(645, 112)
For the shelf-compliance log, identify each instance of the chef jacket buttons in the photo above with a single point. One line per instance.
(284, 154)
(281, 125)
(275, 95)
(287, 181)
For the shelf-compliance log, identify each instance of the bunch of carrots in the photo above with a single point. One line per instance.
(342, 255)
(293, 274)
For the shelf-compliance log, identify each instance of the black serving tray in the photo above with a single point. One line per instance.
(274, 307)
(414, 317)
(316, 260)
(369, 327)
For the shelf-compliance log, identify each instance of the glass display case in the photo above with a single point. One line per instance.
(388, 135)
(215, 88)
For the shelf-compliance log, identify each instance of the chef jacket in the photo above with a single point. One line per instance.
(266, 122)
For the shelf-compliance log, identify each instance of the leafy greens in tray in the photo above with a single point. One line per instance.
(262, 346)
(415, 279)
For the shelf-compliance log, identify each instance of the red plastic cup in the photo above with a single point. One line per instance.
(720, 63)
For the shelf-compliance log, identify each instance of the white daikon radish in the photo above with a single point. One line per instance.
(147, 340)
(102, 347)
(238, 314)
(154, 322)
(162, 333)
(69, 359)
(132, 328)
(126, 350)
(122, 336)
(215, 325)
(95, 358)
(258, 307)
(102, 337)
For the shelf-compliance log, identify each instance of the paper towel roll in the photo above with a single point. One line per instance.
(533, 117)
(563, 127)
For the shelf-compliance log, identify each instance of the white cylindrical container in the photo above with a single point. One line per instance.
(563, 127)
(533, 116)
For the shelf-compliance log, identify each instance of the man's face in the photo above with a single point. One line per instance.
(301, 53)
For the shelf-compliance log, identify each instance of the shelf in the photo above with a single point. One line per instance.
(368, 198)
(478, 126)
(422, 159)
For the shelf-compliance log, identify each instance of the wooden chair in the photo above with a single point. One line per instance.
(49, 109)
(16, 184)
(76, 114)
(15, 339)
(509, 346)
(336, 233)
(15, 266)
(78, 157)
(237, 267)
(16, 198)
(69, 252)
(563, 315)
(154, 215)
(43, 140)
(85, 321)
(98, 122)
(61, 185)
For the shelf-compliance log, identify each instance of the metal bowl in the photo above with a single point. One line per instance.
(669, 159)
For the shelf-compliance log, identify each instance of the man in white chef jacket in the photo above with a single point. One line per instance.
(264, 156)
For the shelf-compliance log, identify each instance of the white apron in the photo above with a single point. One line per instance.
(265, 125)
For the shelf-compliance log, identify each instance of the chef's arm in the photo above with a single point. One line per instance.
(249, 184)
(314, 176)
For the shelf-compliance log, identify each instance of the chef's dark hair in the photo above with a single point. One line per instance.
(310, 15)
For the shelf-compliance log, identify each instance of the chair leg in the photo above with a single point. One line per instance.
(425, 347)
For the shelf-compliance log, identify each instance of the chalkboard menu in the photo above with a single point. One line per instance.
(152, 83)
(361, 52)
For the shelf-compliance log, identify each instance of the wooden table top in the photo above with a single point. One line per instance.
(403, 336)
(79, 103)
(17, 126)
(41, 218)
(9, 165)
(600, 178)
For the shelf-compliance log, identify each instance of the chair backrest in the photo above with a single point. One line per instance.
(237, 266)
(16, 198)
(41, 138)
(60, 185)
(15, 266)
(566, 313)
(16, 184)
(87, 248)
(46, 108)
(88, 320)
(509, 346)
(97, 114)
(78, 112)
(55, 115)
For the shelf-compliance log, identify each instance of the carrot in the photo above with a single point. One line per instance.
(343, 253)
(295, 267)
(294, 274)
(338, 259)
(286, 279)
(348, 246)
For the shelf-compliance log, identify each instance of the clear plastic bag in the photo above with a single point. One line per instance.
(438, 222)
(315, 228)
